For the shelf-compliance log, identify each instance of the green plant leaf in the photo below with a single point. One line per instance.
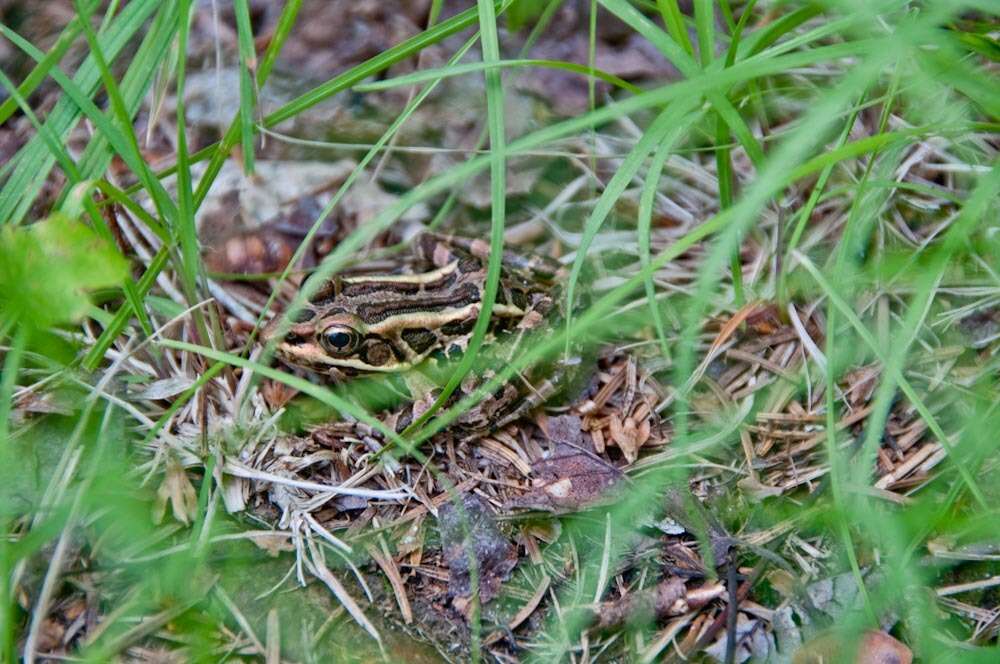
(47, 269)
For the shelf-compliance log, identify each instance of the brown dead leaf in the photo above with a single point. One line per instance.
(411, 544)
(629, 434)
(874, 647)
(764, 319)
(570, 479)
(273, 543)
(276, 394)
(176, 489)
(470, 536)
(881, 648)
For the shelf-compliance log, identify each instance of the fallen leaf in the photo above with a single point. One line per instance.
(176, 489)
(273, 543)
(873, 647)
(629, 435)
(470, 536)
(764, 319)
(570, 479)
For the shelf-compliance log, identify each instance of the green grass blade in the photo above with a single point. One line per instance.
(645, 216)
(118, 196)
(248, 63)
(138, 306)
(674, 20)
(727, 183)
(762, 39)
(41, 70)
(34, 159)
(838, 480)
(337, 84)
(106, 130)
(737, 37)
(95, 355)
(190, 267)
(689, 68)
(426, 75)
(805, 214)
(8, 380)
(283, 27)
(723, 155)
(704, 23)
(52, 142)
(847, 311)
(125, 101)
(281, 32)
(654, 135)
(498, 199)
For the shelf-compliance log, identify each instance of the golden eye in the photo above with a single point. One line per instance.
(339, 339)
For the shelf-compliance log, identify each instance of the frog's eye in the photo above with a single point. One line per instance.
(339, 339)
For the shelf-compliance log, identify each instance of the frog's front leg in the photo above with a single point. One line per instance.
(512, 400)
(563, 374)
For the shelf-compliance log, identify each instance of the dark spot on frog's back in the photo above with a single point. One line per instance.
(469, 264)
(520, 298)
(377, 353)
(458, 327)
(419, 339)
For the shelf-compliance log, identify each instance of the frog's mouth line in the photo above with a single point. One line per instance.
(293, 355)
